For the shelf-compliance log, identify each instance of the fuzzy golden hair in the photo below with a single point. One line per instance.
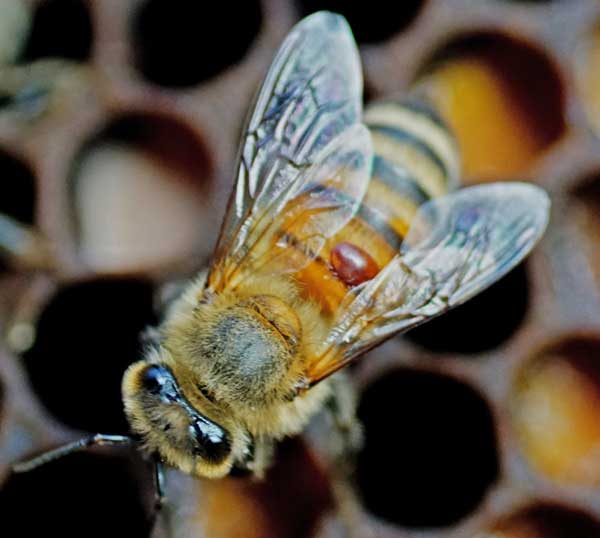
(237, 358)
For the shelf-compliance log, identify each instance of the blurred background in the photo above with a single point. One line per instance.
(119, 124)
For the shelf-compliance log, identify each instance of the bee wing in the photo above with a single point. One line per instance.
(311, 94)
(457, 246)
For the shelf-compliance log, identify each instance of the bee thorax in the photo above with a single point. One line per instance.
(249, 349)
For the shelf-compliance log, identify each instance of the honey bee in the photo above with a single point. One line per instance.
(338, 234)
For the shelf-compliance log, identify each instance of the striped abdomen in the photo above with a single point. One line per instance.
(415, 159)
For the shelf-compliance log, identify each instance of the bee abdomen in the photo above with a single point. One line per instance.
(411, 135)
(416, 159)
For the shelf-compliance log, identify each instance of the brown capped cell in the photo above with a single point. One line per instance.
(503, 97)
(555, 406)
(139, 192)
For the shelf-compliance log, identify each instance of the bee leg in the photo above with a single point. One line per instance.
(262, 457)
(344, 447)
(342, 409)
(159, 485)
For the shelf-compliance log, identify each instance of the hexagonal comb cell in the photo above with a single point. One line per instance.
(45, 41)
(547, 520)
(588, 77)
(17, 212)
(138, 192)
(482, 323)
(430, 450)
(585, 213)
(371, 22)
(555, 407)
(85, 338)
(142, 198)
(82, 494)
(503, 97)
(18, 192)
(290, 503)
(180, 43)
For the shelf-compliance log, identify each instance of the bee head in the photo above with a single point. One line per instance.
(172, 427)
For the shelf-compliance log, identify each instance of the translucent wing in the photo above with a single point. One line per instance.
(457, 246)
(291, 232)
(311, 94)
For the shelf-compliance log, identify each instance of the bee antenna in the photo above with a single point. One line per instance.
(97, 439)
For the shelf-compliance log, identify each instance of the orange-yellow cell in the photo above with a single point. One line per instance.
(241, 507)
(545, 520)
(496, 138)
(556, 409)
(232, 510)
(588, 77)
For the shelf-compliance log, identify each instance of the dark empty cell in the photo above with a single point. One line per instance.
(371, 22)
(86, 337)
(180, 43)
(17, 192)
(80, 495)
(61, 28)
(548, 520)
(430, 449)
(482, 323)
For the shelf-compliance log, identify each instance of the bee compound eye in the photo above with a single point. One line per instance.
(154, 379)
(211, 441)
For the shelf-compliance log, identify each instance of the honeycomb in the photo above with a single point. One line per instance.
(119, 125)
